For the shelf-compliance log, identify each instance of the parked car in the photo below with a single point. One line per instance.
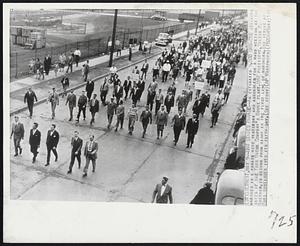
(230, 187)
(240, 142)
(163, 39)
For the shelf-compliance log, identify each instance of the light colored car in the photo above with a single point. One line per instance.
(163, 39)
(230, 187)
(240, 142)
(158, 17)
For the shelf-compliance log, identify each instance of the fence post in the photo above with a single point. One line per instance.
(16, 64)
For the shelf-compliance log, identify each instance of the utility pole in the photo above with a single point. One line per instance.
(112, 47)
(198, 22)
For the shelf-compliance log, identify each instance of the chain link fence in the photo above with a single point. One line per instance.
(19, 61)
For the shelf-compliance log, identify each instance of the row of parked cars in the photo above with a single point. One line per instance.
(231, 182)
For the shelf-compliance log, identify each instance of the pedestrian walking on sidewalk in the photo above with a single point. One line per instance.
(111, 108)
(82, 103)
(76, 143)
(161, 121)
(29, 98)
(17, 132)
(227, 90)
(94, 107)
(71, 99)
(53, 98)
(51, 143)
(120, 112)
(178, 123)
(132, 117)
(146, 118)
(89, 89)
(90, 153)
(47, 64)
(77, 55)
(34, 141)
(86, 70)
(70, 61)
(104, 90)
(163, 192)
(130, 52)
(41, 72)
(65, 84)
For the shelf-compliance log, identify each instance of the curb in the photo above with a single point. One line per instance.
(84, 83)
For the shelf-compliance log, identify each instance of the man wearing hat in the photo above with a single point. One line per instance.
(204, 195)
(163, 192)
(165, 71)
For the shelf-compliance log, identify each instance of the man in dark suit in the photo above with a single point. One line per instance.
(134, 94)
(34, 141)
(76, 143)
(118, 92)
(178, 123)
(127, 87)
(204, 196)
(169, 102)
(146, 118)
(144, 69)
(192, 129)
(89, 89)
(71, 99)
(86, 70)
(90, 152)
(51, 142)
(29, 98)
(18, 133)
(162, 192)
(104, 90)
(94, 107)
(47, 64)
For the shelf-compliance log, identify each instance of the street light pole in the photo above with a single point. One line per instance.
(198, 22)
(112, 47)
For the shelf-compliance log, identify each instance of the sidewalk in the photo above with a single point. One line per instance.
(98, 69)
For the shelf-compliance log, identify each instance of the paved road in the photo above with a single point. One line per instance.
(128, 167)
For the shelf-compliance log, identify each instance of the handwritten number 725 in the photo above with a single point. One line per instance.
(281, 220)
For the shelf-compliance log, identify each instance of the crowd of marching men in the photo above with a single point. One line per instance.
(222, 50)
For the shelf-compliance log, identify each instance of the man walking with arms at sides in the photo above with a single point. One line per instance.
(86, 70)
(144, 69)
(104, 91)
(54, 100)
(181, 100)
(146, 118)
(169, 102)
(227, 90)
(94, 108)
(134, 94)
(82, 102)
(71, 99)
(76, 144)
(127, 86)
(161, 121)
(89, 89)
(165, 71)
(118, 92)
(111, 108)
(215, 110)
(34, 141)
(192, 129)
(132, 117)
(120, 112)
(77, 55)
(18, 133)
(159, 100)
(163, 192)
(51, 142)
(29, 98)
(90, 153)
(65, 84)
(70, 61)
(178, 123)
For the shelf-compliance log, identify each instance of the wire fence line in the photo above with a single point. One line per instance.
(19, 61)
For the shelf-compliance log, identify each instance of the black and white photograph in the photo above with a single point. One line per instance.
(140, 105)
